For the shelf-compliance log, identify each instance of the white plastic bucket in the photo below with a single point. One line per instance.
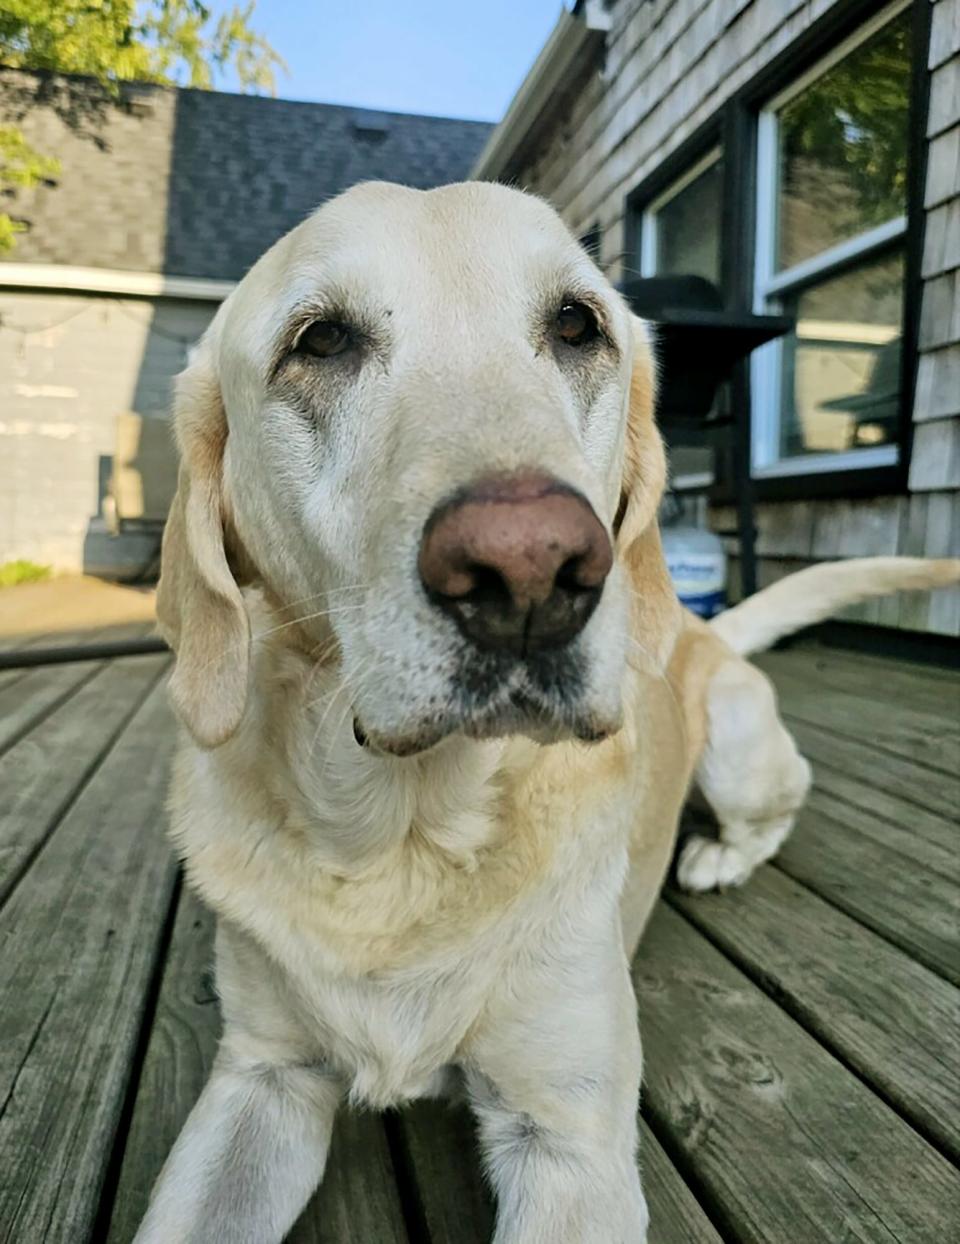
(698, 567)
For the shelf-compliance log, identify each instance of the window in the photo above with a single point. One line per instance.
(831, 226)
(679, 235)
(680, 229)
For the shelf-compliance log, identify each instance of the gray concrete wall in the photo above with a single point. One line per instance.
(69, 365)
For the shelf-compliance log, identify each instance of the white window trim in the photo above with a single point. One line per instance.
(692, 481)
(648, 220)
(33, 276)
(837, 256)
(817, 464)
(770, 286)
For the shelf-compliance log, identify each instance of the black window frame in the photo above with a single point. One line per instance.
(733, 128)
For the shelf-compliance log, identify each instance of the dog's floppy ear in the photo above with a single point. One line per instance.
(656, 614)
(644, 462)
(199, 604)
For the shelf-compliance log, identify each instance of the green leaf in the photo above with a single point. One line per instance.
(176, 42)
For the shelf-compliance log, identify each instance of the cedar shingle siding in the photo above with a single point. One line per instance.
(669, 66)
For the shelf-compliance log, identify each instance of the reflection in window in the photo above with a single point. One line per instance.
(681, 227)
(841, 368)
(688, 229)
(843, 147)
(831, 222)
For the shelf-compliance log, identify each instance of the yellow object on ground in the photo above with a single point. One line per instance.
(70, 605)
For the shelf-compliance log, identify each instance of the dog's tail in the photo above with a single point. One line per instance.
(816, 593)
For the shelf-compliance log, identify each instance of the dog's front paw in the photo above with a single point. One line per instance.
(705, 864)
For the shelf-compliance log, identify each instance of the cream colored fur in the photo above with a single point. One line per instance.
(460, 897)
(816, 593)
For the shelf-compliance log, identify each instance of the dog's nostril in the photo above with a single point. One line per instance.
(489, 587)
(569, 576)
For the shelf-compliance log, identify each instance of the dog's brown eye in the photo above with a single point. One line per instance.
(324, 338)
(576, 324)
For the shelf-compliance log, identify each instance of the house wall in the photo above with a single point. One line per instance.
(670, 65)
(70, 364)
(152, 180)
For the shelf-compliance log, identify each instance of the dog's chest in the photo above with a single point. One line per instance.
(384, 973)
(388, 1000)
(391, 1035)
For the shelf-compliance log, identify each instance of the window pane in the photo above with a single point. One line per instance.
(843, 147)
(688, 229)
(841, 368)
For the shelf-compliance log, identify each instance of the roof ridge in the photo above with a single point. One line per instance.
(210, 92)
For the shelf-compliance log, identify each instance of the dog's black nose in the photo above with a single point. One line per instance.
(518, 561)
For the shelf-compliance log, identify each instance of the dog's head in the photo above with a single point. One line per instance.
(424, 418)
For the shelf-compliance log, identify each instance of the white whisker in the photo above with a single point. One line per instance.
(327, 591)
(334, 734)
(307, 617)
(334, 695)
(255, 636)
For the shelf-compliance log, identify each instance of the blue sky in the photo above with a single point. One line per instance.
(457, 58)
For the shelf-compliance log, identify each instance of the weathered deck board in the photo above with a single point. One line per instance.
(786, 1141)
(799, 1034)
(454, 1203)
(913, 907)
(924, 737)
(183, 1040)
(9, 677)
(441, 1159)
(28, 700)
(359, 1198)
(78, 637)
(893, 822)
(45, 770)
(892, 774)
(80, 939)
(879, 680)
(848, 987)
(675, 1213)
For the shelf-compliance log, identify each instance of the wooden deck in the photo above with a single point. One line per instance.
(801, 1035)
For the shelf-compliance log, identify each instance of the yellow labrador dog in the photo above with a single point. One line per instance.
(442, 707)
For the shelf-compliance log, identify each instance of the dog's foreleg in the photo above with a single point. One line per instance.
(556, 1102)
(752, 776)
(248, 1158)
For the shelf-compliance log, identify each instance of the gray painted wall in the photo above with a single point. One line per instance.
(69, 365)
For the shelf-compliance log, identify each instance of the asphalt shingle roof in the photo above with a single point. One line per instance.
(244, 168)
(200, 183)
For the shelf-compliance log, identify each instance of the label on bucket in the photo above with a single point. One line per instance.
(699, 581)
(707, 604)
